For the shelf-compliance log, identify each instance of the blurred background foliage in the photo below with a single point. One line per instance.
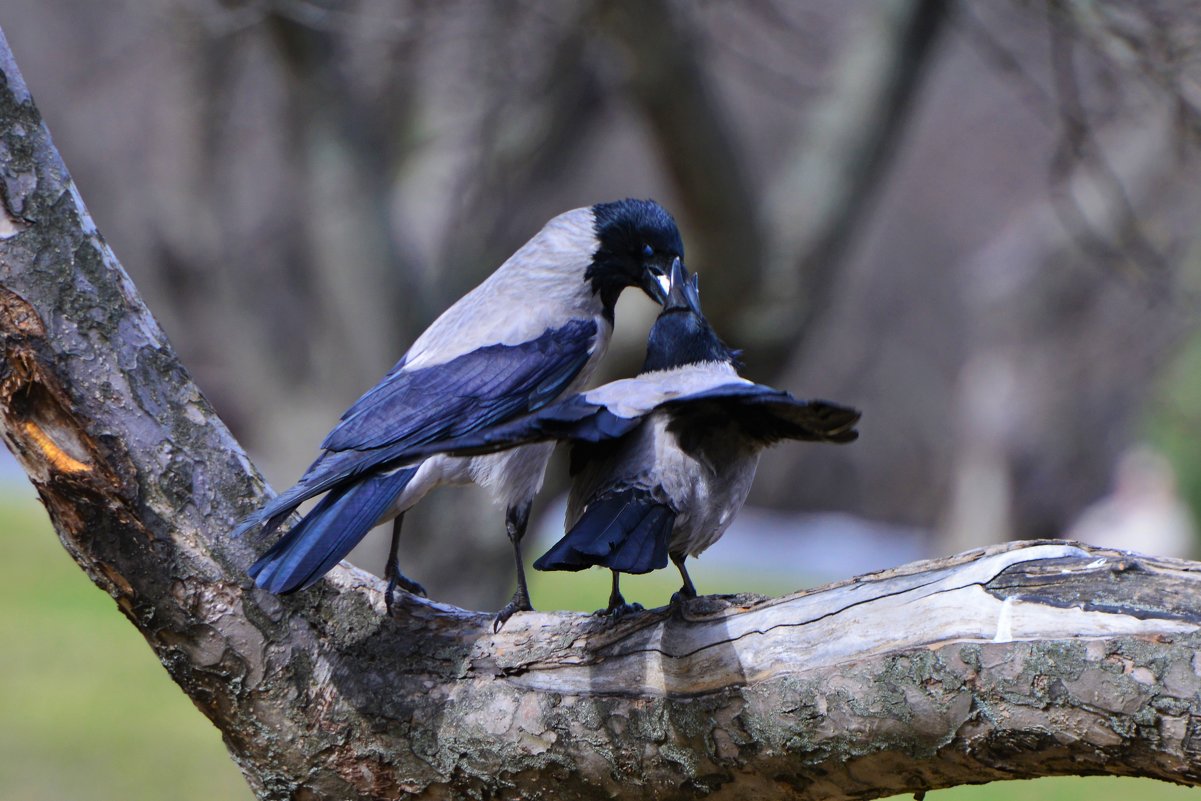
(976, 221)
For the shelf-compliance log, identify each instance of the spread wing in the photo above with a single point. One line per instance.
(694, 397)
(762, 414)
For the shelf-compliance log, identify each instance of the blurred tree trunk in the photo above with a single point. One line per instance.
(1034, 660)
(1062, 357)
(667, 81)
(1036, 325)
(343, 154)
(821, 198)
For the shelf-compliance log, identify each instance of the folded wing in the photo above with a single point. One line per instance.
(411, 412)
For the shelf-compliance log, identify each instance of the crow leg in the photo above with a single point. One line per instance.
(617, 604)
(688, 591)
(392, 569)
(516, 520)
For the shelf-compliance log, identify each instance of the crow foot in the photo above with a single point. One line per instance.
(401, 581)
(520, 603)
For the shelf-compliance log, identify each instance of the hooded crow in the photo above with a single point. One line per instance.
(531, 332)
(662, 462)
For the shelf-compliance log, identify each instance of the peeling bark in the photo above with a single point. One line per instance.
(1026, 660)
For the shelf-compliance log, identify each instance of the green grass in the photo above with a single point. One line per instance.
(1067, 788)
(86, 711)
(588, 590)
(1173, 422)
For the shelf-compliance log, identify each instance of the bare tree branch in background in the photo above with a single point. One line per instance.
(347, 160)
(821, 197)
(1154, 41)
(697, 143)
(542, 102)
(313, 249)
(1122, 243)
(998, 286)
(1055, 386)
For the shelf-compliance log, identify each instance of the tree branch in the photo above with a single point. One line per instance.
(1025, 660)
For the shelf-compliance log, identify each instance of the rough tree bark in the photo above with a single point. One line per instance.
(1029, 660)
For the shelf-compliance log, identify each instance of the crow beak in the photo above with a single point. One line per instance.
(655, 283)
(665, 282)
(677, 288)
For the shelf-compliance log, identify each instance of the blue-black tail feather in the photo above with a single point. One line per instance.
(627, 530)
(330, 470)
(328, 532)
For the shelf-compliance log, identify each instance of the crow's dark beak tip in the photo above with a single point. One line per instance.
(682, 291)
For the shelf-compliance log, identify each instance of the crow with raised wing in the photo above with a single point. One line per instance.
(662, 462)
(531, 332)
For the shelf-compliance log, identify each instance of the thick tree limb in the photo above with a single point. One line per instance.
(1028, 660)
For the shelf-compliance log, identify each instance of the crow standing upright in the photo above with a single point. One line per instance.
(662, 462)
(531, 332)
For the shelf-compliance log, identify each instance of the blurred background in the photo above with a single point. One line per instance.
(976, 221)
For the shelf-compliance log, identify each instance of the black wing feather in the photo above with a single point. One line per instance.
(468, 393)
(764, 414)
(409, 409)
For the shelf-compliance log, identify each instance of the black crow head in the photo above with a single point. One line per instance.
(681, 335)
(637, 242)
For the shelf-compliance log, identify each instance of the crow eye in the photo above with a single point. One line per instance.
(648, 251)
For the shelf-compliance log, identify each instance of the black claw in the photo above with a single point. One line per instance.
(682, 596)
(688, 591)
(408, 585)
(617, 607)
(619, 611)
(519, 603)
(506, 612)
(400, 581)
(501, 618)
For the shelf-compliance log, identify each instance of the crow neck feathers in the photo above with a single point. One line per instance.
(681, 337)
(632, 235)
